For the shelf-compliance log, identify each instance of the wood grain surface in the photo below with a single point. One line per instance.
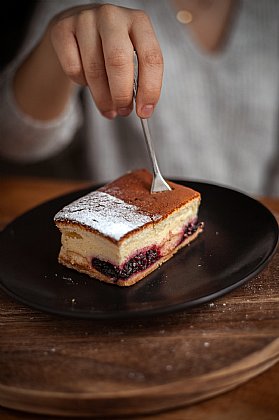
(54, 365)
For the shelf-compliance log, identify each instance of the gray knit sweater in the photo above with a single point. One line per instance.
(216, 119)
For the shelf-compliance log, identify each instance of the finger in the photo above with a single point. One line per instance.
(66, 48)
(118, 54)
(150, 61)
(92, 57)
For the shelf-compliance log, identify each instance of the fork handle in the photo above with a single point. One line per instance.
(150, 149)
(158, 183)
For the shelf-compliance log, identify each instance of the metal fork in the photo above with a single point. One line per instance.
(158, 182)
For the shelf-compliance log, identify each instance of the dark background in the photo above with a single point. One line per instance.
(14, 21)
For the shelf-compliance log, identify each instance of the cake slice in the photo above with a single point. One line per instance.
(121, 232)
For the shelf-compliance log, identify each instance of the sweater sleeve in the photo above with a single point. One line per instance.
(22, 138)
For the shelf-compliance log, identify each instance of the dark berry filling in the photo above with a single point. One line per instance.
(139, 262)
(190, 229)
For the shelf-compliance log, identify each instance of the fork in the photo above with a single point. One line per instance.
(158, 182)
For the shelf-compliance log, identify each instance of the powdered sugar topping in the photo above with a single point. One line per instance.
(105, 213)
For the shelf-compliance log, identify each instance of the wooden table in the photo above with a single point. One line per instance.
(255, 399)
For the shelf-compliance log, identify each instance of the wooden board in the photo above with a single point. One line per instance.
(54, 365)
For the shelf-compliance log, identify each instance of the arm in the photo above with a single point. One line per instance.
(27, 136)
(41, 88)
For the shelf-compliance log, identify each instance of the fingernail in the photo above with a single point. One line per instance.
(110, 114)
(147, 110)
(124, 111)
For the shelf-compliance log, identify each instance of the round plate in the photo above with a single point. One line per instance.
(239, 238)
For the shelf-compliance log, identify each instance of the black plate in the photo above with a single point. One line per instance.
(240, 237)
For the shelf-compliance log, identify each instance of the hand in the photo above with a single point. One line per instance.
(95, 46)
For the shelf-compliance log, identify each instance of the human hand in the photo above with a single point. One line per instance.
(95, 46)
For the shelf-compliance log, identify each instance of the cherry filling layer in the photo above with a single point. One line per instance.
(139, 262)
(191, 228)
(142, 260)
